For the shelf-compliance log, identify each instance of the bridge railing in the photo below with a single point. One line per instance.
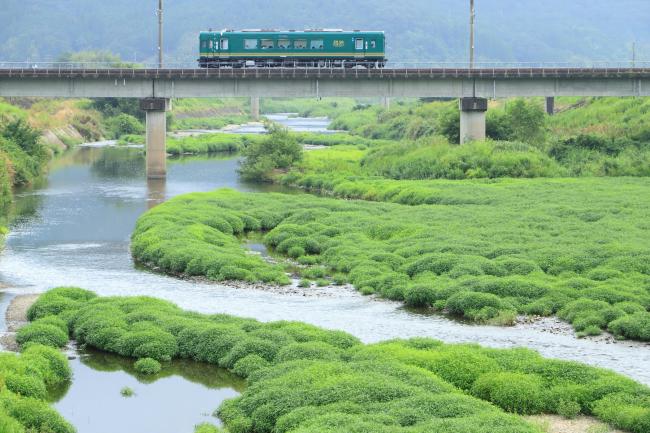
(422, 65)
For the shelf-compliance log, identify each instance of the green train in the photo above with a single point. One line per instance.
(308, 48)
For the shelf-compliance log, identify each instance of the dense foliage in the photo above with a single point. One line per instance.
(527, 143)
(305, 379)
(486, 251)
(24, 379)
(278, 151)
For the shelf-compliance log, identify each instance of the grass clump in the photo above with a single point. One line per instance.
(488, 255)
(306, 379)
(24, 380)
(127, 392)
(147, 366)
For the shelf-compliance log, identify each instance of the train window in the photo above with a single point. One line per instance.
(300, 44)
(211, 44)
(373, 44)
(358, 44)
(204, 45)
(283, 44)
(316, 44)
(250, 44)
(224, 44)
(267, 44)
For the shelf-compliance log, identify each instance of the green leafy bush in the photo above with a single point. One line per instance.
(278, 151)
(147, 366)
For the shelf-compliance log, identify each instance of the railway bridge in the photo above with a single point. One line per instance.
(473, 87)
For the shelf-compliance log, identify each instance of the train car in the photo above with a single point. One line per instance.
(308, 48)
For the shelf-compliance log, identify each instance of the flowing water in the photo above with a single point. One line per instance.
(74, 230)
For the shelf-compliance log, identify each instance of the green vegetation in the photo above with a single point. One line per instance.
(305, 379)
(209, 143)
(527, 142)
(209, 113)
(277, 151)
(207, 428)
(487, 251)
(24, 379)
(127, 392)
(147, 366)
(22, 154)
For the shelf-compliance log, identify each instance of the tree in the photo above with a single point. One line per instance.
(279, 151)
(526, 121)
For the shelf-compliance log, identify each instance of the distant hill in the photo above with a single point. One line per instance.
(508, 30)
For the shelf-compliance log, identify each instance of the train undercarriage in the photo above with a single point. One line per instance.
(239, 63)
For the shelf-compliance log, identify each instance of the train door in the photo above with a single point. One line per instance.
(223, 52)
(359, 48)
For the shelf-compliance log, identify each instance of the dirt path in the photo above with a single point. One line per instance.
(16, 316)
(557, 424)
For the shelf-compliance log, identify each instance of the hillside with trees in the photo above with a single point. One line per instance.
(425, 30)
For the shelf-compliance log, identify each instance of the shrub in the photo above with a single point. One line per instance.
(278, 151)
(420, 296)
(42, 333)
(514, 392)
(249, 364)
(635, 326)
(147, 366)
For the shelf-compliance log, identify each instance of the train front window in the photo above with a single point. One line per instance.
(373, 44)
(283, 44)
(317, 44)
(300, 44)
(224, 44)
(250, 44)
(267, 44)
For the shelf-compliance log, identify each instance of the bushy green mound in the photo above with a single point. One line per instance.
(440, 160)
(24, 379)
(147, 366)
(305, 379)
(207, 143)
(569, 247)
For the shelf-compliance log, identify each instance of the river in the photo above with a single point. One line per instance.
(74, 231)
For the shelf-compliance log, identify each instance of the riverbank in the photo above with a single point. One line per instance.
(16, 317)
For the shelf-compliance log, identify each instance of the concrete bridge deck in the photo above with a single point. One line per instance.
(323, 82)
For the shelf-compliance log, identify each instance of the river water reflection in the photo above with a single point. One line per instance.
(182, 395)
(74, 230)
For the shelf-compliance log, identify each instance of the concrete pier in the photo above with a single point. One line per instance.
(385, 103)
(156, 145)
(550, 105)
(472, 119)
(255, 108)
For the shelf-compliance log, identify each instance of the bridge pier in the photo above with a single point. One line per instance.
(550, 105)
(156, 146)
(472, 119)
(255, 108)
(385, 103)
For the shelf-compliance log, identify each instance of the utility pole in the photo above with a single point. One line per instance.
(472, 15)
(160, 34)
(634, 54)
